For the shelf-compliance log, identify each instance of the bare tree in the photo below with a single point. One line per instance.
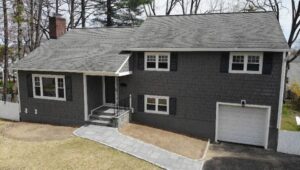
(72, 13)
(295, 27)
(169, 6)
(37, 25)
(18, 18)
(190, 6)
(5, 53)
(83, 18)
(267, 5)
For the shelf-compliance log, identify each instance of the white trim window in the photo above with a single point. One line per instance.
(157, 104)
(246, 62)
(49, 87)
(157, 61)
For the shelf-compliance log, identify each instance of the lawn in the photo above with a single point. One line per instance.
(36, 146)
(187, 146)
(288, 118)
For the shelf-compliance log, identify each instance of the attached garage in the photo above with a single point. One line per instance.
(243, 124)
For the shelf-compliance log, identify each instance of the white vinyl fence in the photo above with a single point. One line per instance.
(9, 111)
(289, 142)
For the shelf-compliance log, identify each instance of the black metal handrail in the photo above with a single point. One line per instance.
(122, 104)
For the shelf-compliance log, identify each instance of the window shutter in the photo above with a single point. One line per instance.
(267, 63)
(141, 60)
(141, 103)
(68, 89)
(224, 64)
(29, 85)
(174, 61)
(173, 106)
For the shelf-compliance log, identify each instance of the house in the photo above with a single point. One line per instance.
(216, 76)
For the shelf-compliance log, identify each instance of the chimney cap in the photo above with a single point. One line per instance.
(58, 15)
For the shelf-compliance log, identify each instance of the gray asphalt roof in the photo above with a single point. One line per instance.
(98, 50)
(81, 50)
(231, 30)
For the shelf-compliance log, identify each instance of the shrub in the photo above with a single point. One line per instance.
(295, 95)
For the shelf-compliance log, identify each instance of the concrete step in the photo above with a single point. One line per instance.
(100, 122)
(103, 113)
(102, 117)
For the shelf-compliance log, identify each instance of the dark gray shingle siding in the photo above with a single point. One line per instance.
(52, 111)
(197, 86)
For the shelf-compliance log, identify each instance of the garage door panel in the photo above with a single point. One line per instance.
(242, 124)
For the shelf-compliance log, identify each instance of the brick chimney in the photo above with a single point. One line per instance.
(57, 26)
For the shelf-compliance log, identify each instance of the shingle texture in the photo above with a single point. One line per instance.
(81, 50)
(232, 30)
(99, 49)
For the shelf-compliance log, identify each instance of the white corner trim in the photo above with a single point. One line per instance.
(123, 64)
(208, 49)
(248, 105)
(281, 94)
(85, 98)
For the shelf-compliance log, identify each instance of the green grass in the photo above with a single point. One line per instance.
(10, 85)
(288, 118)
(72, 153)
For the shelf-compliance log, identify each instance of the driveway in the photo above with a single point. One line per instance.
(233, 156)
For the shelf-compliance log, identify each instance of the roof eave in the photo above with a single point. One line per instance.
(91, 73)
(210, 49)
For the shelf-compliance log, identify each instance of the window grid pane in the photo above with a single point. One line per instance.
(151, 58)
(253, 59)
(37, 82)
(49, 87)
(60, 83)
(162, 102)
(238, 59)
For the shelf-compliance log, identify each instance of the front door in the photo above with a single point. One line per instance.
(110, 89)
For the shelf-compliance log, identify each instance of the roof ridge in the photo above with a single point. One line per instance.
(224, 13)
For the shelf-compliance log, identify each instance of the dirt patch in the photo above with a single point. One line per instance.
(36, 132)
(183, 145)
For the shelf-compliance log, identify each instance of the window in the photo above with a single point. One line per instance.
(246, 62)
(49, 87)
(157, 61)
(156, 104)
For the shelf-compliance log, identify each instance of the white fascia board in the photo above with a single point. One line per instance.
(123, 64)
(208, 49)
(93, 73)
(88, 73)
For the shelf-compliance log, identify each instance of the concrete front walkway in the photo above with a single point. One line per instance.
(160, 157)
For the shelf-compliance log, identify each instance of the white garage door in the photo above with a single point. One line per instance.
(245, 125)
